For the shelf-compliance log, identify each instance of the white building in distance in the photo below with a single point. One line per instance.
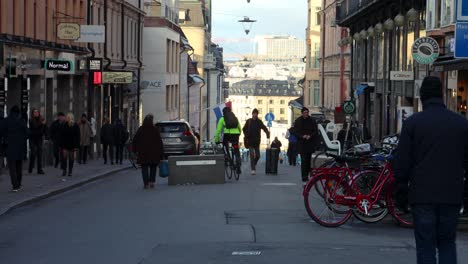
(280, 47)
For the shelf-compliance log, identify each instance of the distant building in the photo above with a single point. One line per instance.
(280, 47)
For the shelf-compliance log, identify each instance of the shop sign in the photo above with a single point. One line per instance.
(94, 64)
(68, 31)
(425, 50)
(58, 65)
(117, 77)
(401, 75)
(349, 107)
(461, 40)
(92, 34)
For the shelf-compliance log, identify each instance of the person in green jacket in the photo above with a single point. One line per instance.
(232, 130)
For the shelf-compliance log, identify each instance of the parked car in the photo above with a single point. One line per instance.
(178, 138)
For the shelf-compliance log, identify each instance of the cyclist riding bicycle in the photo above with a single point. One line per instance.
(232, 130)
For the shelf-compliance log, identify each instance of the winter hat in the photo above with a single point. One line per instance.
(255, 111)
(304, 109)
(431, 88)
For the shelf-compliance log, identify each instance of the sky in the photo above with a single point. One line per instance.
(274, 17)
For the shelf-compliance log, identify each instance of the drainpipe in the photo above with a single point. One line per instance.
(122, 37)
(201, 110)
(105, 37)
(93, 54)
(140, 63)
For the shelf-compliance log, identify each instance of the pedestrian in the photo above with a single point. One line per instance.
(148, 145)
(292, 147)
(107, 141)
(252, 137)
(15, 133)
(305, 129)
(37, 127)
(276, 144)
(85, 139)
(120, 138)
(429, 167)
(69, 142)
(54, 133)
(92, 147)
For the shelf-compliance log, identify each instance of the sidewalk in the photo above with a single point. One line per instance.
(38, 187)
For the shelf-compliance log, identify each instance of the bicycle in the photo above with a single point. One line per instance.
(338, 189)
(230, 167)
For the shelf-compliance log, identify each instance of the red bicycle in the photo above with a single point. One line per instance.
(334, 194)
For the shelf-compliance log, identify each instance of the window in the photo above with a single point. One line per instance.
(168, 55)
(316, 93)
(282, 102)
(260, 111)
(271, 101)
(318, 17)
(282, 111)
(260, 102)
(309, 90)
(168, 98)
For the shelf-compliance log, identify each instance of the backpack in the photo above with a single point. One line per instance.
(231, 120)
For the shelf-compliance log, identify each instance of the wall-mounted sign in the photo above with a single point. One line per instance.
(461, 40)
(94, 64)
(462, 10)
(117, 77)
(401, 75)
(425, 50)
(92, 34)
(349, 107)
(58, 65)
(68, 31)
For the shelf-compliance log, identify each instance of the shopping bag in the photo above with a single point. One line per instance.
(164, 169)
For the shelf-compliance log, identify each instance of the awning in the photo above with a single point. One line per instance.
(361, 89)
(449, 63)
(195, 78)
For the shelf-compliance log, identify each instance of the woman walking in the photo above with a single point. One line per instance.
(85, 138)
(148, 145)
(69, 142)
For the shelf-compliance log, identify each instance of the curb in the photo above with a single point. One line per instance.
(52, 193)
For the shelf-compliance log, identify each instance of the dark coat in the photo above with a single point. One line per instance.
(432, 155)
(148, 145)
(107, 134)
(306, 126)
(120, 134)
(69, 138)
(37, 130)
(54, 131)
(276, 144)
(252, 131)
(15, 132)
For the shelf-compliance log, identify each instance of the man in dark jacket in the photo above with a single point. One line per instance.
(54, 133)
(430, 163)
(120, 138)
(107, 140)
(37, 126)
(306, 131)
(15, 132)
(252, 138)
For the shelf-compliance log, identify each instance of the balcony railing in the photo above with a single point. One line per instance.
(349, 8)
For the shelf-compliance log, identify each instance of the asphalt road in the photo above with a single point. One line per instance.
(260, 219)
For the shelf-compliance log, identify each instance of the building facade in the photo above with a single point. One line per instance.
(280, 47)
(335, 63)
(381, 34)
(312, 93)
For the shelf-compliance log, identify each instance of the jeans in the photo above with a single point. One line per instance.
(109, 147)
(36, 153)
(119, 153)
(435, 230)
(151, 177)
(56, 150)
(68, 155)
(254, 157)
(83, 155)
(306, 158)
(16, 172)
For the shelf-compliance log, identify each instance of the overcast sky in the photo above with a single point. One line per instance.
(274, 17)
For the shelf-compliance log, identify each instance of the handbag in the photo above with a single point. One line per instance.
(164, 169)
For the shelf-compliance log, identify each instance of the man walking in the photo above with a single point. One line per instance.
(430, 164)
(305, 129)
(15, 132)
(120, 138)
(38, 130)
(252, 138)
(85, 139)
(107, 140)
(54, 133)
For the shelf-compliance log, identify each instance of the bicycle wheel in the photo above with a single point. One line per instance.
(323, 210)
(403, 217)
(364, 183)
(227, 168)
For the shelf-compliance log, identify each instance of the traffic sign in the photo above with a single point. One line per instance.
(349, 107)
(461, 40)
(269, 124)
(270, 117)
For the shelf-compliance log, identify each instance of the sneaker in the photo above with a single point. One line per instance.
(254, 172)
(151, 185)
(15, 190)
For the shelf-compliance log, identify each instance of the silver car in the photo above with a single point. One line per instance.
(178, 138)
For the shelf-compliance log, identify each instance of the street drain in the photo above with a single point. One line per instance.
(246, 253)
